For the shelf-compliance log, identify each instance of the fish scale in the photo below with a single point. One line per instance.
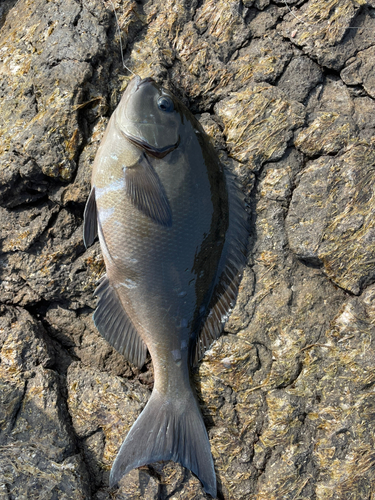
(173, 233)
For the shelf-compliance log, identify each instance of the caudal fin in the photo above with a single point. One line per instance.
(168, 430)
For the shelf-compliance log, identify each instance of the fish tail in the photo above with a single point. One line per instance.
(168, 430)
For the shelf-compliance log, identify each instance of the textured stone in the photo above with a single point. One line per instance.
(322, 29)
(300, 77)
(332, 222)
(287, 393)
(258, 123)
(37, 448)
(25, 473)
(102, 401)
(360, 70)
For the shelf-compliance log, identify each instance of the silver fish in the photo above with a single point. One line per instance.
(172, 229)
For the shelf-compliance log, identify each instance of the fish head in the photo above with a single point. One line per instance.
(150, 117)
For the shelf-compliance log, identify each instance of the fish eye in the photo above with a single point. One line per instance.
(165, 103)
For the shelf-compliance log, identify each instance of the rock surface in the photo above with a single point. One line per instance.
(286, 90)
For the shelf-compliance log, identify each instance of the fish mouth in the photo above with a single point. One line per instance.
(145, 80)
(151, 150)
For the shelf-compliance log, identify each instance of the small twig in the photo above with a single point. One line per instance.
(316, 345)
(258, 387)
(79, 106)
(268, 270)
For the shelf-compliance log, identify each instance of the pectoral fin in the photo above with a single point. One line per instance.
(146, 192)
(90, 220)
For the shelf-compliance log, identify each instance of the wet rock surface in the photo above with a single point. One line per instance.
(287, 93)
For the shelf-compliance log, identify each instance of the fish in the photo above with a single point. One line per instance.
(173, 233)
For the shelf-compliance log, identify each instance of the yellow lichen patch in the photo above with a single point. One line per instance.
(265, 64)
(72, 144)
(47, 260)
(348, 250)
(322, 22)
(217, 79)
(326, 134)
(219, 19)
(345, 407)
(164, 22)
(232, 361)
(96, 266)
(277, 183)
(10, 354)
(280, 415)
(226, 447)
(28, 469)
(169, 36)
(100, 400)
(127, 13)
(286, 348)
(268, 259)
(258, 123)
(262, 60)
(351, 478)
(287, 483)
(352, 331)
(357, 477)
(339, 223)
(13, 244)
(188, 44)
(35, 111)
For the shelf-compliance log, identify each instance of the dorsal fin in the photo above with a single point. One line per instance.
(231, 264)
(115, 326)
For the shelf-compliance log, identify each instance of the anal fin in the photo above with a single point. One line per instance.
(115, 326)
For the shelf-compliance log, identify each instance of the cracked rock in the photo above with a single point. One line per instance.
(287, 94)
(336, 226)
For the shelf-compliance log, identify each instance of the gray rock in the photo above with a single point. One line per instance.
(267, 19)
(331, 222)
(331, 120)
(25, 473)
(326, 33)
(360, 70)
(37, 447)
(263, 60)
(299, 78)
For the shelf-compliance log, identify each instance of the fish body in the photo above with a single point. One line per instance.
(173, 233)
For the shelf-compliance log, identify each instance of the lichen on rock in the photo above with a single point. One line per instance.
(336, 225)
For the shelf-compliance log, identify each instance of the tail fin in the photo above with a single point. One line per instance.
(168, 430)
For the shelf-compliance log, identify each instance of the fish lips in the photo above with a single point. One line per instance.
(139, 82)
(149, 149)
